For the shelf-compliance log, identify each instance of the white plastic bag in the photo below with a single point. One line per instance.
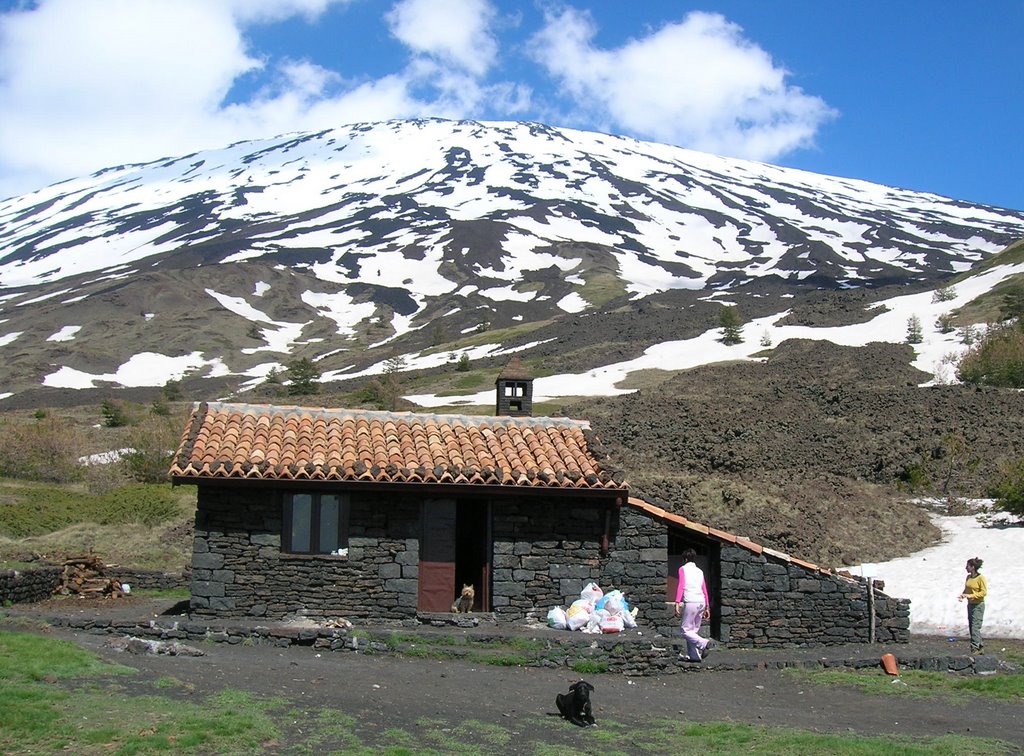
(557, 618)
(579, 613)
(612, 624)
(592, 592)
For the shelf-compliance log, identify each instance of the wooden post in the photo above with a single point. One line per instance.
(871, 610)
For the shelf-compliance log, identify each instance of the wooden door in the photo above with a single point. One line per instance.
(437, 556)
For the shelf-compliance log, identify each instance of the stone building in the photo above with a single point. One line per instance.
(383, 516)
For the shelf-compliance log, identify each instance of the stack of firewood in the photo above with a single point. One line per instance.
(84, 576)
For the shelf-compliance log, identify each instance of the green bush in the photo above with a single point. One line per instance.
(996, 359)
(1008, 488)
(32, 510)
(113, 414)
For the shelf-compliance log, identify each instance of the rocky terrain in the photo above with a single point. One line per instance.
(815, 451)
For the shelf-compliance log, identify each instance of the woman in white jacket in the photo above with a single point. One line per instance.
(692, 595)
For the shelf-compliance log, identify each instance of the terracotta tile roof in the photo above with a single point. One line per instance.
(724, 537)
(224, 440)
(515, 370)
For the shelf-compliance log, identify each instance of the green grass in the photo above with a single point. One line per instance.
(917, 683)
(56, 697)
(39, 714)
(590, 667)
(32, 509)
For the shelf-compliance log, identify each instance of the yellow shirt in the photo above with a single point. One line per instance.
(975, 589)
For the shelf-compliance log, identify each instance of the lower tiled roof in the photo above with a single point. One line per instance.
(724, 537)
(225, 440)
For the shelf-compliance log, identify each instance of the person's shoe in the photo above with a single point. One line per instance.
(708, 649)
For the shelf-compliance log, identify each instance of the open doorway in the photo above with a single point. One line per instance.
(708, 560)
(455, 550)
(473, 550)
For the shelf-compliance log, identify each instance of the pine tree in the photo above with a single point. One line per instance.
(914, 333)
(303, 377)
(732, 325)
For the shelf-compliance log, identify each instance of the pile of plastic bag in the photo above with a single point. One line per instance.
(594, 612)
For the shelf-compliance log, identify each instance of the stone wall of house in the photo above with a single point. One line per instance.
(545, 554)
(637, 566)
(767, 602)
(238, 568)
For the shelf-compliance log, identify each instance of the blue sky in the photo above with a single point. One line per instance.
(921, 95)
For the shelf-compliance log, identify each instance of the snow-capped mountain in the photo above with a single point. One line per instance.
(354, 244)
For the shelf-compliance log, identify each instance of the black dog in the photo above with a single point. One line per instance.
(575, 705)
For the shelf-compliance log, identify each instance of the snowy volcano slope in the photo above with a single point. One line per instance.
(347, 246)
(358, 201)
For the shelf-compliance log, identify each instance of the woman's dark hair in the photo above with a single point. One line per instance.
(974, 564)
(689, 555)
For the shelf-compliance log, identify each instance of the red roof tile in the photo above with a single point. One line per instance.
(721, 535)
(223, 440)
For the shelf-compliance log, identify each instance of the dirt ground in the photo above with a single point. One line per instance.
(384, 692)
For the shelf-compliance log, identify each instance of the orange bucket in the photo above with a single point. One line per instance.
(889, 664)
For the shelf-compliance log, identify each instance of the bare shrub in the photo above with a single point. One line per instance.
(45, 449)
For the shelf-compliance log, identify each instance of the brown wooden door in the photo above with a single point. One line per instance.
(437, 556)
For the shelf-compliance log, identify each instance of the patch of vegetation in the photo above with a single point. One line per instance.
(995, 359)
(501, 660)
(590, 666)
(1008, 487)
(44, 449)
(37, 508)
(918, 683)
(82, 715)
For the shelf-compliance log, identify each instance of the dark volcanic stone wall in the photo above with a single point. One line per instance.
(238, 568)
(23, 586)
(766, 602)
(544, 555)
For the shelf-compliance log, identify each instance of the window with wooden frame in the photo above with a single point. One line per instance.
(315, 523)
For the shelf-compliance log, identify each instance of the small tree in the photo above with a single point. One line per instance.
(914, 333)
(1008, 488)
(944, 294)
(732, 325)
(766, 339)
(113, 414)
(303, 377)
(387, 390)
(172, 391)
(967, 334)
(944, 323)
(463, 364)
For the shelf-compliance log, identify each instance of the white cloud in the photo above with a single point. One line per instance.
(457, 32)
(697, 83)
(89, 84)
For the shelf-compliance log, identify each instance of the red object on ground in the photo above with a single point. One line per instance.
(889, 663)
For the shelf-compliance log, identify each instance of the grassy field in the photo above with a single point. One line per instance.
(141, 526)
(56, 697)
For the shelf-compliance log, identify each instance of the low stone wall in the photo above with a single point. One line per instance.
(24, 586)
(769, 602)
(638, 656)
(150, 580)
